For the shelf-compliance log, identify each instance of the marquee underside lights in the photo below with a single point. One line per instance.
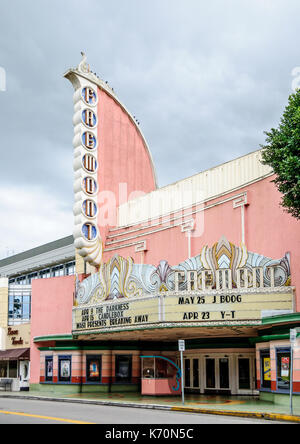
(87, 238)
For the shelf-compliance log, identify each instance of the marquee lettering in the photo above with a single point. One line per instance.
(245, 278)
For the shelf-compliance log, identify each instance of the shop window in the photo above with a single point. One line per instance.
(13, 369)
(49, 368)
(123, 368)
(283, 358)
(3, 369)
(265, 366)
(93, 368)
(64, 368)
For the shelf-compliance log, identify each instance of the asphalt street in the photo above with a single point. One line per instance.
(20, 411)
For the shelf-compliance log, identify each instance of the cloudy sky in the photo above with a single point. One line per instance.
(204, 78)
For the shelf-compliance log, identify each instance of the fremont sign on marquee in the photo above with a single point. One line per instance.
(199, 291)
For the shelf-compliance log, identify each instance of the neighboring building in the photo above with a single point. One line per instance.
(50, 260)
(212, 259)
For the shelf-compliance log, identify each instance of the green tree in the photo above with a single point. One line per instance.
(282, 154)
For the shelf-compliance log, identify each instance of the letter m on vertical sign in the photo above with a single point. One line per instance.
(2, 79)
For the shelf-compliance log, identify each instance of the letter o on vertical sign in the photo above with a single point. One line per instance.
(89, 186)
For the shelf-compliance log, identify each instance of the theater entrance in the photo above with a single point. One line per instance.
(224, 374)
(217, 375)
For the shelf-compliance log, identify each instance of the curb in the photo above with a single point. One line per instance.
(256, 415)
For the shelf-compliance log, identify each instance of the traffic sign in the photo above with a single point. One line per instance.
(181, 345)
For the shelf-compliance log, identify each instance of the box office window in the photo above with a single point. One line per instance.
(157, 368)
(283, 365)
(148, 368)
(49, 368)
(123, 368)
(265, 366)
(64, 368)
(93, 368)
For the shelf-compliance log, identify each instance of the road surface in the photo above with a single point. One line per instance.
(23, 411)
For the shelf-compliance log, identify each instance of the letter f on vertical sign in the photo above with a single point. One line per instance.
(2, 79)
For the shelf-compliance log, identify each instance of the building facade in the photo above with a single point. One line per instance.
(212, 259)
(19, 271)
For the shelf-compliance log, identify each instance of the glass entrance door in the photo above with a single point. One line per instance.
(192, 374)
(210, 373)
(224, 373)
(24, 375)
(217, 374)
(244, 373)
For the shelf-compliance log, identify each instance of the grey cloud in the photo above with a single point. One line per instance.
(205, 79)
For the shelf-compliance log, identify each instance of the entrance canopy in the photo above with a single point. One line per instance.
(15, 354)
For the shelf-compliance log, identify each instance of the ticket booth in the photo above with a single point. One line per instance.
(160, 376)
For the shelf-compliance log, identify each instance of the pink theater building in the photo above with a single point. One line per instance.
(212, 259)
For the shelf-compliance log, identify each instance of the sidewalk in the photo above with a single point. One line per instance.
(242, 406)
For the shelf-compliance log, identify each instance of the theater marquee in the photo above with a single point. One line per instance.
(198, 292)
(116, 315)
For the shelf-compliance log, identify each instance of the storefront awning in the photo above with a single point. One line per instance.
(15, 354)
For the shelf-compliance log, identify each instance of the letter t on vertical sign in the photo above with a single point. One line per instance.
(181, 348)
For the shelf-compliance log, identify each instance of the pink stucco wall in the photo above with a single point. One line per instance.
(51, 314)
(123, 157)
(269, 231)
